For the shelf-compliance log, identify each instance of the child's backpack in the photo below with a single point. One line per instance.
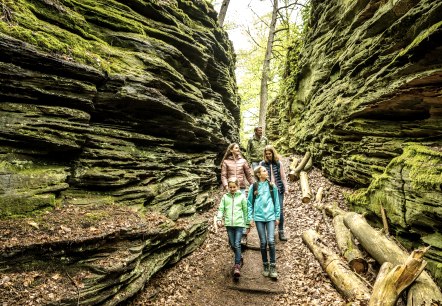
(255, 192)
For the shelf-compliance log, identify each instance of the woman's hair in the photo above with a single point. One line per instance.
(228, 151)
(233, 179)
(275, 157)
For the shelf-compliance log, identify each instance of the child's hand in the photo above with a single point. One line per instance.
(219, 223)
(252, 223)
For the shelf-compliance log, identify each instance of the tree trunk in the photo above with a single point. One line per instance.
(347, 246)
(347, 282)
(423, 290)
(392, 281)
(266, 69)
(305, 188)
(222, 12)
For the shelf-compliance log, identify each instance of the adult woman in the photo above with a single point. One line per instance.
(277, 176)
(234, 165)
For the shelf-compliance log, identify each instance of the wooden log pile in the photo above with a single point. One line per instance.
(400, 271)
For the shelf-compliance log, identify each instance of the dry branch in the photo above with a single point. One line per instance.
(391, 281)
(347, 282)
(423, 291)
(305, 188)
(319, 195)
(308, 165)
(292, 173)
(303, 162)
(215, 224)
(384, 221)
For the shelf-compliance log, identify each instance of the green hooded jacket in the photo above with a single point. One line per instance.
(233, 209)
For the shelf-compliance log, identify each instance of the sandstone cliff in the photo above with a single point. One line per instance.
(364, 86)
(113, 103)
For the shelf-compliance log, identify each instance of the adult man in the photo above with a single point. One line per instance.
(255, 147)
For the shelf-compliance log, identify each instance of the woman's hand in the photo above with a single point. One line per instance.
(276, 222)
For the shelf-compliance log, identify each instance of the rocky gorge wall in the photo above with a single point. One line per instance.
(126, 103)
(363, 95)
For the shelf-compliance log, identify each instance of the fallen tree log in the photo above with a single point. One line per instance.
(305, 188)
(391, 281)
(348, 248)
(423, 291)
(308, 165)
(334, 210)
(292, 167)
(347, 282)
(294, 174)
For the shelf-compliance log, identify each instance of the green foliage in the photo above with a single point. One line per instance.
(250, 62)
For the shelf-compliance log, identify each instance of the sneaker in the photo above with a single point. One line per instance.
(272, 272)
(236, 270)
(244, 239)
(266, 271)
(282, 237)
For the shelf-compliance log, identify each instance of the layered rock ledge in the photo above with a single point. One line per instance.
(126, 103)
(365, 84)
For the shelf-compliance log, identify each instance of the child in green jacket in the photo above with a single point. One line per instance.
(233, 208)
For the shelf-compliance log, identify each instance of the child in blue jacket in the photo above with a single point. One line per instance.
(233, 208)
(264, 211)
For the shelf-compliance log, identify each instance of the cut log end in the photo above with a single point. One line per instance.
(359, 265)
(306, 199)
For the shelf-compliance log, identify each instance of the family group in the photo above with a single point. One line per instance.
(260, 207)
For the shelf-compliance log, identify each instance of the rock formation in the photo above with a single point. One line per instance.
(365, 84)
(113, 102)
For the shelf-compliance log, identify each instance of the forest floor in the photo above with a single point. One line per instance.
(204, 277)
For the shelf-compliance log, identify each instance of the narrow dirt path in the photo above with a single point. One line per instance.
(203, 278)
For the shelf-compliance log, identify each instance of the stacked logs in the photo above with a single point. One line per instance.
(299, 171)
(398, 272)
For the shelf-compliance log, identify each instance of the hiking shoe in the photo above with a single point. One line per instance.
(236, 270)
(266, 270)
(272, 272)
(244, 239)
(282, 237)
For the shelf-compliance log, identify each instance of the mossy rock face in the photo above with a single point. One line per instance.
(117, 95)
(365, 80)
(363, 84)
(410, 191)
(115, 102)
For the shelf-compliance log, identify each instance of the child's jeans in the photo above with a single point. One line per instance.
(266, 233)
(235, 233)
